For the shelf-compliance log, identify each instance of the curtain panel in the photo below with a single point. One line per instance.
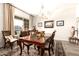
(8, 23)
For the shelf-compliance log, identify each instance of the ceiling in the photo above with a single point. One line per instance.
(34, 6)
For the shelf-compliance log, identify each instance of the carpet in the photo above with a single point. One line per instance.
(58, 51)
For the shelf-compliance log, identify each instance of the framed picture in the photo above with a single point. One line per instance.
(49, 24)
(60, 23)
(40, 24)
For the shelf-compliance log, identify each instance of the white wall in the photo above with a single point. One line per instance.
(1, 24)
(77, 18)
(66, 12)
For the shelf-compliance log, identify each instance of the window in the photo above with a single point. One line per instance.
(18, 24)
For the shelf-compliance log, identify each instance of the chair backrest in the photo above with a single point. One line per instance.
(47, 42)
(24, 33)
(53, 35)
(50, 40)
(6, 33)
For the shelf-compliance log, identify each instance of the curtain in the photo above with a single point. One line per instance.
(8, 23)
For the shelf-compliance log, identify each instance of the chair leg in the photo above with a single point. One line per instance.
(20, 45)
(49, 52)
(38, 50)
(52, 47)
(11, 45)
(34, 47)
(52, 50)
(42, 51)
(28, 50)
(4, 45)
(23, 45)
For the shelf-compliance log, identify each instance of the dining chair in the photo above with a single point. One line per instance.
(26, 35)
(6, 33)
(8, 39)
(52, 41)
(49, 44)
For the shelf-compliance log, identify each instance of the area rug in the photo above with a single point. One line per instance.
(58, 51)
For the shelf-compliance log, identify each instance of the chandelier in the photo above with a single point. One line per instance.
(42, 13)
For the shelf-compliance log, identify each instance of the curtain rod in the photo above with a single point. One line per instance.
(19, 9)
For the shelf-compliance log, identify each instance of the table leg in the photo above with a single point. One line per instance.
(20, 45)
(42, 51)
(38, 50)
(28, 50)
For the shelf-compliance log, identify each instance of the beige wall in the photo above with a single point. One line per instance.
(1, 24)
(66, 12)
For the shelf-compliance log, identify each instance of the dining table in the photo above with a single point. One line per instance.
(40, 42)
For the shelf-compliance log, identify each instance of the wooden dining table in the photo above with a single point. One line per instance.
(40, 42)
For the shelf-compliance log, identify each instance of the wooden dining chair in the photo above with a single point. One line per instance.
(26, 35)
(6, 33)
(49, 44)
(52, 41)
(8, 39)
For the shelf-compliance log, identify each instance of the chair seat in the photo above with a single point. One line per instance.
(10, 38)
(27, 44)
(46, 45)
(13, 40)
(46, 48)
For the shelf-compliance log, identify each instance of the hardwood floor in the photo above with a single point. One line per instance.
(71, 49)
